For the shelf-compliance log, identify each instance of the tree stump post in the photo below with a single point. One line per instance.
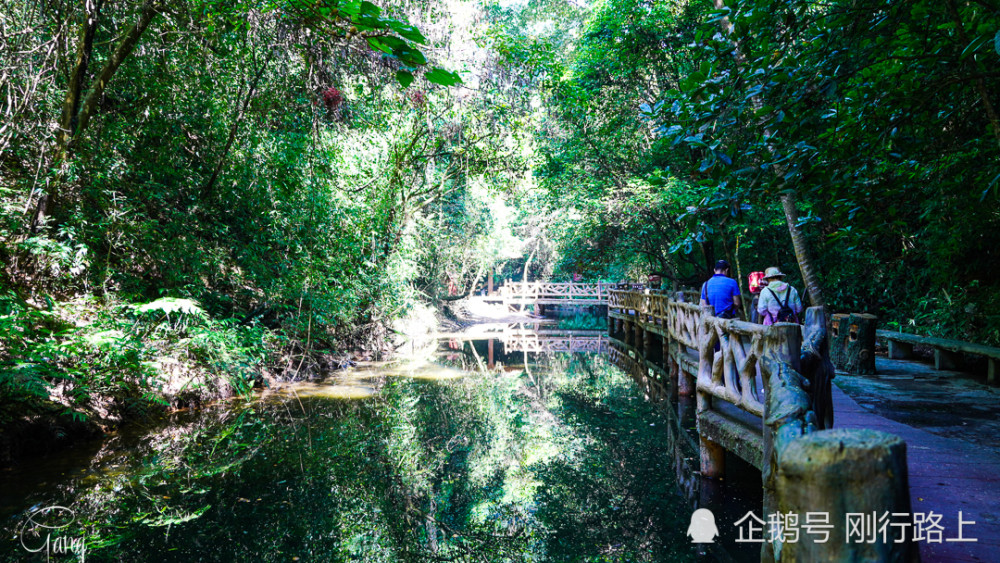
(784, 342)
(838, 339)
(833, 473)
(859, 348)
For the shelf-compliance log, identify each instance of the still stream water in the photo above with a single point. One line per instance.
(544, 457)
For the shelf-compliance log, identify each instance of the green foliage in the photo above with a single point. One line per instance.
(675, 127)
(135, 355)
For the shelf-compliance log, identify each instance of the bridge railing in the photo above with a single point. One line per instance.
(732, 374)
(775, 383)
(684, 323)
(727, 351)
(561, 290)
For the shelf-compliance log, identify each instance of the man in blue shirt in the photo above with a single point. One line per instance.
(722, 292)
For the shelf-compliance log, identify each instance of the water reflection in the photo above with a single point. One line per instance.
(495, 450)
(730, 499)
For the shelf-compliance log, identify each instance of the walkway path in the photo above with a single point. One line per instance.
(947, 475)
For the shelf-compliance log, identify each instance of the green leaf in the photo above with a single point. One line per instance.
(367, 8)
(379, 45)
(409, 55)
(350, 8)
(443, 77)
(405, 78)
(407, 31)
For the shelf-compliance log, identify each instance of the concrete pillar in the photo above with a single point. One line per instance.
(841, 471)
(713, 459)
(943, 359)
(654, 348)
(900, 350)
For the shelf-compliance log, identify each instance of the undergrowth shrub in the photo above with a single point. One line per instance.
(120, 350)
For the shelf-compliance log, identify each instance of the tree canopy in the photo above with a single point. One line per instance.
(306, 172)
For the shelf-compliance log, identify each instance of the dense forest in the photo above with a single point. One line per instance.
(196, 195)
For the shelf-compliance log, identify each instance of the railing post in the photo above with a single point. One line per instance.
(784, 341)
(846, 471)
(713, 455)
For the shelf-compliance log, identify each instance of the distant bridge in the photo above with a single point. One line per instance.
(566, 293)
(570, 293)
(520, 337)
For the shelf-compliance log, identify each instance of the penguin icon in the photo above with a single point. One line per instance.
(702, 528)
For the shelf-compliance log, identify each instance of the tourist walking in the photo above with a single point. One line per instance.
(722, 292)
(779, 302)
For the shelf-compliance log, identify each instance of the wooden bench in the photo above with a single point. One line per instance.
(945, 350)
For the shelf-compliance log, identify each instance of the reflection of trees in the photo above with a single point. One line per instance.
(557, 462)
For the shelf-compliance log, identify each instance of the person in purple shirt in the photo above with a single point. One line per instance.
(722, 292)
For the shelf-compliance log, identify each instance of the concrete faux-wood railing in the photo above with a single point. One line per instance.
(763, 393)
(945, 350)
(728, 383)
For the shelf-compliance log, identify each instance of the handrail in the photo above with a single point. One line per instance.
(781, 373)
(733, 375)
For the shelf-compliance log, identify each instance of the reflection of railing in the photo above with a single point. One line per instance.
(724, 352)
(533, 338)
(542, 341)
(762, 394)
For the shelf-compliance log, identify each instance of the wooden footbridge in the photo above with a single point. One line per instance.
(764, 394)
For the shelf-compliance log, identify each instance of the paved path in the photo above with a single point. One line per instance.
(947, 475)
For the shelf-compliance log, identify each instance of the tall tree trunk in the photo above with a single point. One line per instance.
(75, 89)
(121, 52)
(803, 254)
(69, 120)
(74, 118)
